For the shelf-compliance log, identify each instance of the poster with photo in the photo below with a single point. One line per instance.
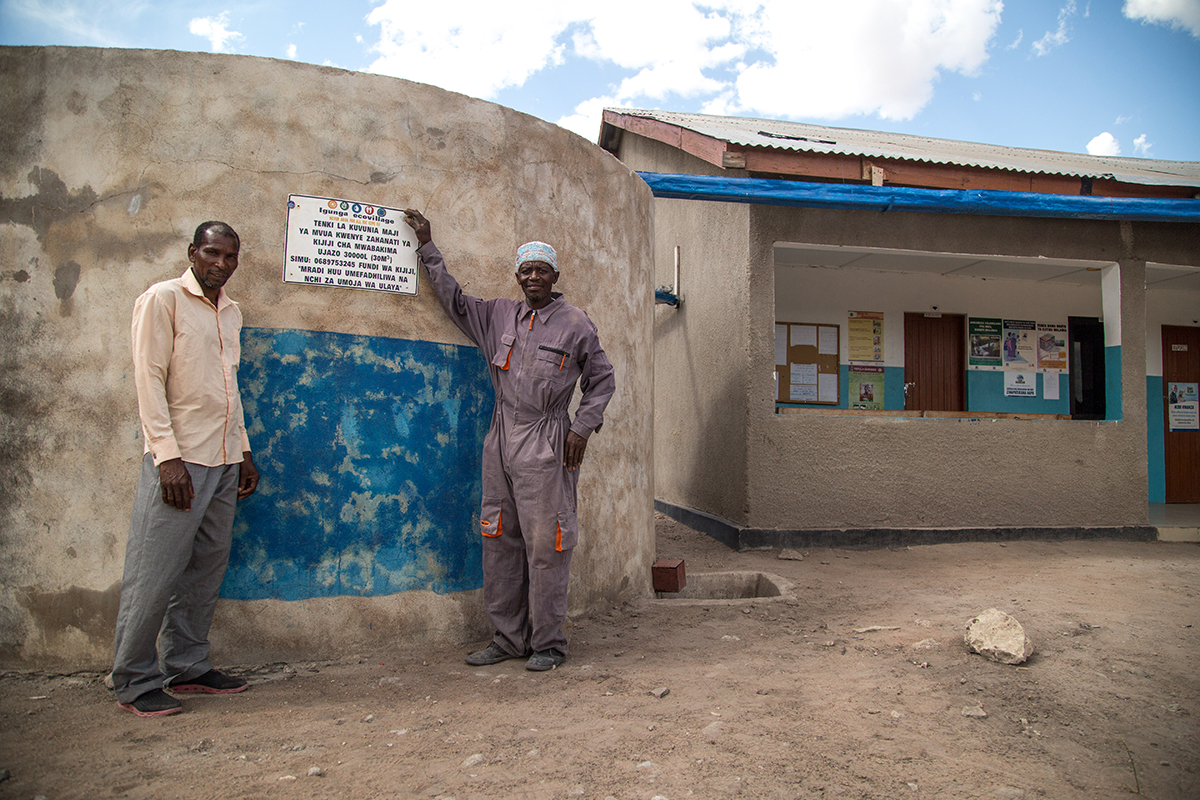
(983, 342)
(865, 331)
(866, 387)
(1018, 344)
(1052, 346)
(1182, 406)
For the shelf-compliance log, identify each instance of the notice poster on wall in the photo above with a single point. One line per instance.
(1182, 405)
(866, 387)
(865, 331)
(983, 343)
(1051, 346)
(1020, 384)
(349, 245)
(1019, 344)
(807, 363)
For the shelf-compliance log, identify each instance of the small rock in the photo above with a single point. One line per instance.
(369, 718)
(713, 730)
(660, 692)
(728, 638)
(287, 777)
(575, 791)
(999, 637)
(473, 761)
(973, 711)
(791, 555)
(315, 772)
(926, 644)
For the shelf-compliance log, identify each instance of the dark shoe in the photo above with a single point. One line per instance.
(154, 703)
(211, 682)
(543, 660)
(492, 654)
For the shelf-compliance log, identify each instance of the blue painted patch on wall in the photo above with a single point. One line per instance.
(369, 453)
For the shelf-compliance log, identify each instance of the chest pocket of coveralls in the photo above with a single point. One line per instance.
(553, 363)
(504, 351)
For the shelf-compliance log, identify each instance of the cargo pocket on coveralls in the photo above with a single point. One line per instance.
(504, 351)
(491, 517)
(553, 363)
(568, 531)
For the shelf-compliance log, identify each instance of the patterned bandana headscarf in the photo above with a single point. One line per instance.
(537, 251)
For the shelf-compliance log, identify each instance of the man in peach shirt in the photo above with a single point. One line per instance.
(197, 464)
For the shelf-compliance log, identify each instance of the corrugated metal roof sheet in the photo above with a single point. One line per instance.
(783, 135)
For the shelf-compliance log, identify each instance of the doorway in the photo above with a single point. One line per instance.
(1181, 448)
(935, 361)
(1085, 361)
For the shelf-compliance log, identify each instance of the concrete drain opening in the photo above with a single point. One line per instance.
(730, 588)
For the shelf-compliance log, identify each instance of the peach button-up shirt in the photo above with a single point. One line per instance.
(185, 362)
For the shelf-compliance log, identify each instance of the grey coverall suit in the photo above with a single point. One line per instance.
(528, 511)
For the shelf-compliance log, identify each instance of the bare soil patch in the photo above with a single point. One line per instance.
(784, 698)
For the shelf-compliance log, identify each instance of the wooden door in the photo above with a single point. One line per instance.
(935, 362)
(1181, 364)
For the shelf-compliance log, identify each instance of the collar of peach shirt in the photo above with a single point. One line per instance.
(193, 287)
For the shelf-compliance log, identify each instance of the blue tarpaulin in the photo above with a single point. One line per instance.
(856, 197)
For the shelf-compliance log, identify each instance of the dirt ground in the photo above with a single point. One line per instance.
(783, 698)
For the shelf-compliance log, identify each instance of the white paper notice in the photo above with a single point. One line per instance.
(804, 373)
(829, 341)
(803, 334)
(348, 245)
(781, 344)
(1020, 384)
(1049, 385)
(829, 388)
(803, 393)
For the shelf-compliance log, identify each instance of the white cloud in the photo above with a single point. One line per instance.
(768, 57)
(1141, 146)
(1183, 14)
(588, 114)
(291, 51)
(214, 29)
(1061, 35)
(1104, 145)
(477, 48)
(863, 56)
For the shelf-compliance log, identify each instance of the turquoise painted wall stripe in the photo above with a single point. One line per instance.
(369, 454)
(985, 394)
(1113, 408)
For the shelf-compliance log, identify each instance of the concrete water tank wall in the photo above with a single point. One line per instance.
(366, 410)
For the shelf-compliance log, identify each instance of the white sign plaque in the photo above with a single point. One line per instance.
(348, 244)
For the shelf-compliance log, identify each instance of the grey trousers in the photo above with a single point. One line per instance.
(525, 587)
(174, 564)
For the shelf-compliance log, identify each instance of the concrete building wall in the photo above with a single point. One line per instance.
(700, 448)
(828, 472)
(933, 473)
(366, 411)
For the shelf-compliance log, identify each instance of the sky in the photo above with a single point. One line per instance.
(1107, 77)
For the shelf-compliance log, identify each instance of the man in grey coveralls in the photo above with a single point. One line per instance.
(536, 350)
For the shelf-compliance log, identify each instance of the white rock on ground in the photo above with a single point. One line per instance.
(998, 636)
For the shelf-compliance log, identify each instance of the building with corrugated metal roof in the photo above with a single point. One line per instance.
(866, 338)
